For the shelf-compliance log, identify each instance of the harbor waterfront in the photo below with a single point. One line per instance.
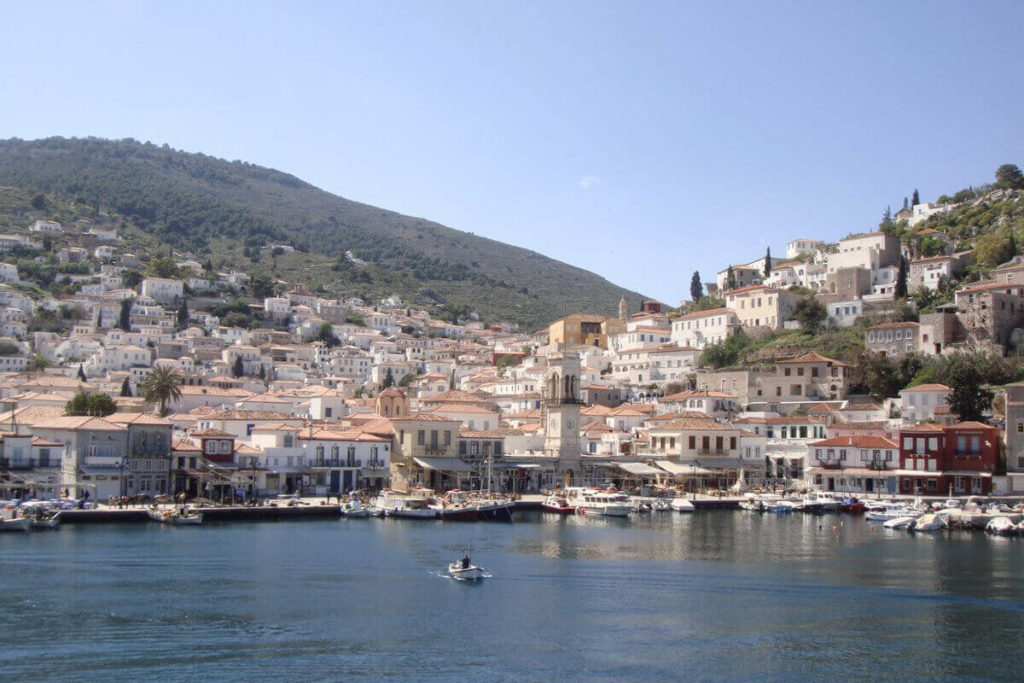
(715, 594)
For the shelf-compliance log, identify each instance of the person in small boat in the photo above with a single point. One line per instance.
(465, 561)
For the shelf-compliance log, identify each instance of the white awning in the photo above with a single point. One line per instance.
(523, 466)
(640, 469)
(675, 468)
(444, 464)
(719, 463)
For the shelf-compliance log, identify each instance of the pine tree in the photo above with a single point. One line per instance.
(768, 263)
(915, 199)
(696, 288)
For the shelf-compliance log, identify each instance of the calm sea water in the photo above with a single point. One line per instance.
(713, 595)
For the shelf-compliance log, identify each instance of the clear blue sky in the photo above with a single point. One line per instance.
(638, 140)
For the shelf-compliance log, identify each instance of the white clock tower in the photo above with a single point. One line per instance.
(562, 413)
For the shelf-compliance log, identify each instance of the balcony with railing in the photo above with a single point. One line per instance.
(337, 462)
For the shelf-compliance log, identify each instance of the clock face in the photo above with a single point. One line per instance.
(554, 423)
(569, 424)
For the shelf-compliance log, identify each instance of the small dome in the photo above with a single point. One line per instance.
(392, 392)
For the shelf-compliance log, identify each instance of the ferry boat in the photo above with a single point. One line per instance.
(558, 504)
(396, 504)
(594, 501)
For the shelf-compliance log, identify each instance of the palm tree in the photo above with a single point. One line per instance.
(162, 386)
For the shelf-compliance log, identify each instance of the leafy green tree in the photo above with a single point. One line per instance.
(725, 353)
(969, 398)
(406, 379)
(325, 334)
(162, 267)
(696, 287)
(810, 313)
(262, 286)
(94, 404)
(1009, 177)
(162, 387)
(39, 202)
(991, 250)
(131, 278)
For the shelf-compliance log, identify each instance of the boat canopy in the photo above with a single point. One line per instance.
(444, 464)
(640, 469)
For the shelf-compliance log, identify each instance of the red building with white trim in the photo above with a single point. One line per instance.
(937, 460)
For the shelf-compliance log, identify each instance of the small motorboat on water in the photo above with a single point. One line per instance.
(45, 520)
(465, 570)
(1001, 526)
(354, 508)
(899, 522)
(928, 522)
(682, 505)
(558, 504)
(182, 517)
(661, 506)
(16, 524)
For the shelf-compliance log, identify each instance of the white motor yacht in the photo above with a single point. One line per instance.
(593, 501)
(396, 504)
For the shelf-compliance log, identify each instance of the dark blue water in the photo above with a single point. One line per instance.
(715, 595)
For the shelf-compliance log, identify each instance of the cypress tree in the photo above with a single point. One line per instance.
(916, 199)
(696, 288)
(768, 263)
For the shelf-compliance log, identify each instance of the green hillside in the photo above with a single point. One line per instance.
(232, 213)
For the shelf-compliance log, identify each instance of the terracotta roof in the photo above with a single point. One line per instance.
(889, 326)
(857, 441)
(213, 433)
(927, 387)
(811, 357)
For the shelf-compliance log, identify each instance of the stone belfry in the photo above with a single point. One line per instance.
(561, 392)
(623, 310)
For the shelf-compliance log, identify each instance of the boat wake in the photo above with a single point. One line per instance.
(445, 575)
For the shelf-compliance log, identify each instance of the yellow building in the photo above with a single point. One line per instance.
(584, 330)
